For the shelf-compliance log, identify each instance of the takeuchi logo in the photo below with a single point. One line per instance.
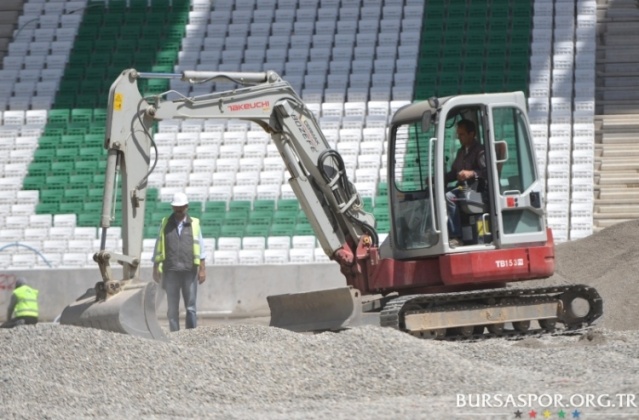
(250, 105)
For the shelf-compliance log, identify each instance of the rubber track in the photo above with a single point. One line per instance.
(392, 314)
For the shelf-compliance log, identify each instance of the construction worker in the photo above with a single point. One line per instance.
(178, 261)
(23, 307)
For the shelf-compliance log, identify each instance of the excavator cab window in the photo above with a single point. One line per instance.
(517, 174)
(412, 171)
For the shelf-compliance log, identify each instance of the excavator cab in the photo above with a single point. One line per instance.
(501, 209)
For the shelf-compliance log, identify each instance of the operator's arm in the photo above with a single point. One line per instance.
(201, 275)
(453, 174)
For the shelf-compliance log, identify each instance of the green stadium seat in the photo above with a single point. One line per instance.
(279, 229)
(59, 117)
(382, 189)
(455, 14)
(51, 195)
(49, 142)
(261, 217)
(232, 231)
(68, 154)
(303, 229)
(472, 82)
(216, 207)
(99, 115)
(381, 202)
(285, 217)
(47, 208)
(39, 168)
(368, 203)
(475, 67)
(235, 219)
(264, 205)
(53, 181)
(256, 230)
(382, 226)
(72, 140)
(288, 204)
(33, 182)
(434, 10)
(69, 207)
(381, 213)
(43, 155)
(94, 207)
(74, 195)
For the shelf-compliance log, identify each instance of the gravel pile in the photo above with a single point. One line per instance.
(609, 261)
(253, 371)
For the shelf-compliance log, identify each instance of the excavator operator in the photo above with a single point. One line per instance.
(468, 168)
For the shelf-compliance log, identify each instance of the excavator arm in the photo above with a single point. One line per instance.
(318, 177)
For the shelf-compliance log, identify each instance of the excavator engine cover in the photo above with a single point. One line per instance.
(130, 311)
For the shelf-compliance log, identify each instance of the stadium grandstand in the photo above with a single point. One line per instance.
(353, 62)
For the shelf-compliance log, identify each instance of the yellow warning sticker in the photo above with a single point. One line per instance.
(117, 102)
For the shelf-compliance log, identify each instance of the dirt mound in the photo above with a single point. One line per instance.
(609, 261)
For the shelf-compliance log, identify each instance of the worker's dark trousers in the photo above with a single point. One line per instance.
(24, 320)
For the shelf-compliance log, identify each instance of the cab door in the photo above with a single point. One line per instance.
(518, 192)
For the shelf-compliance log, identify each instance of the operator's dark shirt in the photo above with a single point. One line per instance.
(472, 158)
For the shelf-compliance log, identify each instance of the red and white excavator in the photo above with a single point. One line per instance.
(414, 281)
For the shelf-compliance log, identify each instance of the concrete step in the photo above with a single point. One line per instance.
(622, 81)
(620, 194)
(611, 154)
(617, 179)
(16, 5)
(604, 222)
(618, 94)
(610, 39)
(618, 107)
(628, 165)
(618, 216)
(617, 208)
(622, 122)
(612, 202)
(618, 27)
(9, 16)
(618, 138)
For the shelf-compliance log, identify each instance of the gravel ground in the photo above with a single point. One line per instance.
(242, 371)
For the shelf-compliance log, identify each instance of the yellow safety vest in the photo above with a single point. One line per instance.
(160, 253)
(26, 302)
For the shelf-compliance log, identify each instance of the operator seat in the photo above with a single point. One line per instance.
(473, 206)
(475, 201)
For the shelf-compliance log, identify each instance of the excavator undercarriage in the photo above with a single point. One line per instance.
(443, 316)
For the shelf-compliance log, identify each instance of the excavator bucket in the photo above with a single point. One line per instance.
(321, 310)
(131, 311)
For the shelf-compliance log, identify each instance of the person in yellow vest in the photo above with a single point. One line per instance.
(23, 307)
(178, 261)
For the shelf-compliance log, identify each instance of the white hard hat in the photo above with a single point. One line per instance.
(179, 199)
